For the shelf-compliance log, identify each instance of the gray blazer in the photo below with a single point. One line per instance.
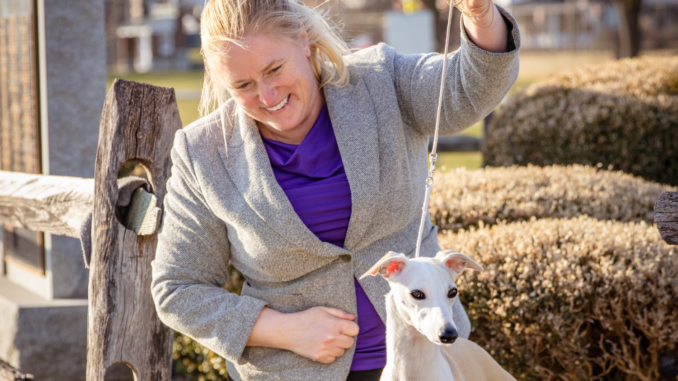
(224, 204)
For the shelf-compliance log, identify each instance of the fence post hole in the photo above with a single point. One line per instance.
(138, 123)
(666, 217)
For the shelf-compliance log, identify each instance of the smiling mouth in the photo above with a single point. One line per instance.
(280, 105)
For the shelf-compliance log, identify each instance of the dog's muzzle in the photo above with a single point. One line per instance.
(449, 335)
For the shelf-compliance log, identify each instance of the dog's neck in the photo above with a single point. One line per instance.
(410, 355)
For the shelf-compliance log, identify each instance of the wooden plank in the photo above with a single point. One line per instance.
(666, 216)
(8, 373)
(52, 204)
(138, 122)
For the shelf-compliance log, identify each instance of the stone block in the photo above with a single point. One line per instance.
(46, 338)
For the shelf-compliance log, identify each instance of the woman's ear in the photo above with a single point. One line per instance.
(303, 38)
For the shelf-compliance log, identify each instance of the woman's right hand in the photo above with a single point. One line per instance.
(319, 333)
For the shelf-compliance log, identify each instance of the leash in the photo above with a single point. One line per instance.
(433, 156)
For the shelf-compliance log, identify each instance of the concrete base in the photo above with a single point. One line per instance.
(46, 338)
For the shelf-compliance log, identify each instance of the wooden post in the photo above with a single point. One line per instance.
(666, 217)
(138, 122)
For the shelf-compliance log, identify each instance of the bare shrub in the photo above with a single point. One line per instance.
(571, 299)
(461, 198)
(622, 113)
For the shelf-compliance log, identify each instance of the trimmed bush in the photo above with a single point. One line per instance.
(622, 114)
(572, 299)
(461, 199)
(193, 362)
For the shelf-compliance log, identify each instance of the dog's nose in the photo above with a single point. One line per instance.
(449, 335)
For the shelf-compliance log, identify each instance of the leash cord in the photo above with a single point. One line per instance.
(433, 156)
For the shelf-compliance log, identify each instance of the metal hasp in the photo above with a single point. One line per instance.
(138, 123)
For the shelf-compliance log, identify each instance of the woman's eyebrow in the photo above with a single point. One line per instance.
(267, 68)
(273, 63)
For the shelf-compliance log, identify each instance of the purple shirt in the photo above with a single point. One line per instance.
(313, 178)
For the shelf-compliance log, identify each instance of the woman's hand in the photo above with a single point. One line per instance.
(319, 333)
(484, 24)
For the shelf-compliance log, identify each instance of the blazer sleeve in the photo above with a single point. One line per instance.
(190, 267)
(476, 81)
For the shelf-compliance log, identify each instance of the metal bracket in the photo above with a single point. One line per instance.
(143, 216)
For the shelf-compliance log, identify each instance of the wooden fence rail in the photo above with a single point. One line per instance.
(51, 204)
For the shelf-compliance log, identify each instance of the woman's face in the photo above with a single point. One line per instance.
(271, 78)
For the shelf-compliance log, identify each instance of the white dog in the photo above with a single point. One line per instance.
(420, 331)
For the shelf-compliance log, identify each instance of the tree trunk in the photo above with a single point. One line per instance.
(440, 25)
(628, 12)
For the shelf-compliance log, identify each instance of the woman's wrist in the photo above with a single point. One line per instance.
(269, 330)
(492, 38)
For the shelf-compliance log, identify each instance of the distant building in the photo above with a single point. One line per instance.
(590, 24)
(144, 35)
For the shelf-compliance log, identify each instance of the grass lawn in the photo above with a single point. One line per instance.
(184, 80)
(188, 109)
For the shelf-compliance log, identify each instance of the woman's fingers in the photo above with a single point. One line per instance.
(345, 342)
(336, 312)
(327, 359)
(346, 327)
(321, 333)
(349, 328)
(331, 356)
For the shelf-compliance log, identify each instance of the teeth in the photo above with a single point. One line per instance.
(281, 105)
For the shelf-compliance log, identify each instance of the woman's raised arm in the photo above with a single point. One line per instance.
(476, 80)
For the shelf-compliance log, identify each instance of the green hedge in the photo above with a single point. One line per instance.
(461, 199)
(622, 114)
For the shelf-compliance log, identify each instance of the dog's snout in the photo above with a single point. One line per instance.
(449, 335)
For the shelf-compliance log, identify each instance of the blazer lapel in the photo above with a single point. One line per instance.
(248, 165)
(355, 127)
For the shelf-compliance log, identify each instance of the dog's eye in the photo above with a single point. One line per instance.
(452, 293)
(418, 295)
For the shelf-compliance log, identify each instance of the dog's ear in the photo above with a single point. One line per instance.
(457, 261)
(390, 264)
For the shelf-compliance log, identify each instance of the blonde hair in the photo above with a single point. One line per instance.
(228, 21)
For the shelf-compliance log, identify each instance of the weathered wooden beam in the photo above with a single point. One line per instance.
(8, 373)
(666, 217)
(456, 144)
(138, 123)
(51, 204)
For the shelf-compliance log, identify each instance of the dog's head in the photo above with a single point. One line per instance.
(424, 290)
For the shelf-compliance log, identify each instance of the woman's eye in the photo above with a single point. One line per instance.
(244, 85)
(452, 293)
(276, 69)
(418, 295)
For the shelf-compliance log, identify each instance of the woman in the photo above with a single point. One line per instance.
(303, 179)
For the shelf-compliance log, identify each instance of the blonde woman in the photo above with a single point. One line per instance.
(311, 168)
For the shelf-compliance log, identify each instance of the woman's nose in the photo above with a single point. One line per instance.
(267, 95)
